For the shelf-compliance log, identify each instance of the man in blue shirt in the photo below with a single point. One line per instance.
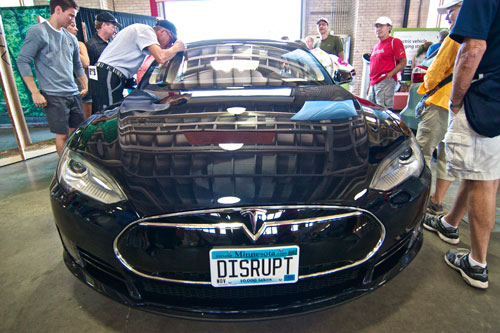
(471, 156)
(441, 36)
(56, 55)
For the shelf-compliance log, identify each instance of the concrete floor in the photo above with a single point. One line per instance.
(38, 293)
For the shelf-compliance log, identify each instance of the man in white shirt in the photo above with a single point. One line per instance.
(125, 54)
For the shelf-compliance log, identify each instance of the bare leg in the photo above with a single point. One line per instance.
(87, 110)
(482, 211)
(60, 141)
(441, 188)
(457, 212)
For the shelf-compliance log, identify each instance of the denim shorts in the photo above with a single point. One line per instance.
(63, 112)
(87, 98)
(470, 155)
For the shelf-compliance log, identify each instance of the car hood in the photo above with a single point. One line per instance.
(307, 145)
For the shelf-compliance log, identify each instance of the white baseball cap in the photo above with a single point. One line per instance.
(444, 8)
(384, 20)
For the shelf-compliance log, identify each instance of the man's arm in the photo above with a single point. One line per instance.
(83, 82)
(162, 55)
(84, 56)
(27, 54)
(340, 47)
(398, 68)
(468, 59)
(37, 97)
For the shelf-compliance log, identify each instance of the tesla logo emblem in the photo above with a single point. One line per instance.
(255, 215)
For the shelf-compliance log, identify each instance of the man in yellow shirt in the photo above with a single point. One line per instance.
(434, 122)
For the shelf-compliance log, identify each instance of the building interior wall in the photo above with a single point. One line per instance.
(354, 18)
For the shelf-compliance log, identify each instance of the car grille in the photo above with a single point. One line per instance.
(208, 292)
(175, 247)
(99, 264)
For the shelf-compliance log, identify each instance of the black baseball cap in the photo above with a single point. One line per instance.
(107, 17)
(169, 26)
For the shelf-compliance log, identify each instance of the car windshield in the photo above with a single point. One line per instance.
(236, 66)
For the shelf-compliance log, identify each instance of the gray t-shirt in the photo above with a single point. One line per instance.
(129, 48)
(56, 55)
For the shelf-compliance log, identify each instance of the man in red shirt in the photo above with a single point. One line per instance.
(388, 58)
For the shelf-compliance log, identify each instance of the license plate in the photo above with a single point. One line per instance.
(231, 267)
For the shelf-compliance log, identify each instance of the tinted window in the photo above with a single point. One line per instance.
(237, 65)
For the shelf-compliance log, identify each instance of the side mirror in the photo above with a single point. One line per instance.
(340, 76)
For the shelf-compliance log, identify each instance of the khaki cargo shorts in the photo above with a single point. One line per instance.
(470, 155)
(382, 93)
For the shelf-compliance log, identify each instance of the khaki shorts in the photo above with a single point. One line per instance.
(430, 134)
(470, 155)
(382, 93)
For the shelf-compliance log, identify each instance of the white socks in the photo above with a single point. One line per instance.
(473, 263)
(446, 224)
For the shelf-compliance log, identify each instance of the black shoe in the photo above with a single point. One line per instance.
(449, 235)
(434, 208)
(476, 276)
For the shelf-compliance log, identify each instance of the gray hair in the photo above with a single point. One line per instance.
(443, 34)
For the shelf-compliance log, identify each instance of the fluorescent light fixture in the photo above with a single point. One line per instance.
(228, 200)
(236, 110)
(230, 146)
(241, 65)
(284, 92)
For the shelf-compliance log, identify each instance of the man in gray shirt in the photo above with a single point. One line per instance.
(55, 53)
(123, 57)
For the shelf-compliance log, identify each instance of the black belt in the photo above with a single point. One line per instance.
(111, 69)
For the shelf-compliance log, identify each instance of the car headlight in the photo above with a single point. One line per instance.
(406, 161)
(74, 173)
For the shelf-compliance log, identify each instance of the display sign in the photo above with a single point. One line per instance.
(412, 38)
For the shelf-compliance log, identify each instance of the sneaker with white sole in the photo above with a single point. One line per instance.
(475, 276)
(435, 224)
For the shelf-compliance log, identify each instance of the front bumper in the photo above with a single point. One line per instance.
(245, 303)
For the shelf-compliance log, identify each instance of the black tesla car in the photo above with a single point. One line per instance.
(239, 181)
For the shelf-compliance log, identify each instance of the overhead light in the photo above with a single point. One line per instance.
(230, 146)
(236, 110)
(228, 200)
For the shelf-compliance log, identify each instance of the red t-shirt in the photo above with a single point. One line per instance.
(384, 58)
